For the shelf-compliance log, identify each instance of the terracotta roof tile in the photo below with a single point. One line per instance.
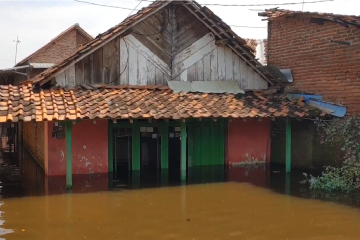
(273, 13)
(22, 103)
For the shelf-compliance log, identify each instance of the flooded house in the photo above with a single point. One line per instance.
(320, 52)
(60, 47)
(172, 87)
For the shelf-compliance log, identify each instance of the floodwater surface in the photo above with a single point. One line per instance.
(229, 210)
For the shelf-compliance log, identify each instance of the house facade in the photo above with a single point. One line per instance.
(321, 51)
(171, 87)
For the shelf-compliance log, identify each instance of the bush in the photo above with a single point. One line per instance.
(346, 178)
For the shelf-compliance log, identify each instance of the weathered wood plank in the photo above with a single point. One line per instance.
(191, 50)
(236, 69)
(243, 69)
(148, 54)
(88, 69)
(60, 79)
(142, 70)
(191, 60)
(229, 74)
(191, 73)
(207, 67)
(183, 76)
(189, 28)
(111, 62)
(70, 76)
(263, 84)
(250, 77)
(151, 73)
(214, 65)
(145, 33)
(79, 72)
(221, 64)
(98, 66)
(159, 77)
(133, 66)
(199, 70)
(124, 62)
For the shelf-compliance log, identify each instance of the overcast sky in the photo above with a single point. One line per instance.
(37, 22)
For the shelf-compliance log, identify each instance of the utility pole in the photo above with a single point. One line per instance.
(17, 41)
(302, 9)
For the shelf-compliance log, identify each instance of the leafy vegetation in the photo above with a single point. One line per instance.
(346, 133)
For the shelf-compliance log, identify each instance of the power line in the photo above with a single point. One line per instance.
(214, 4)
(253, 5)
(135, 8)
(103, 5)
(245, 26)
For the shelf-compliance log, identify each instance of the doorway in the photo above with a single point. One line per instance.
(122, 154)
(174, 153)
(150, 157)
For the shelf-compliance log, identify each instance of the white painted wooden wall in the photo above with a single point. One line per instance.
(144, 67)
(204, 61)
(66, 77)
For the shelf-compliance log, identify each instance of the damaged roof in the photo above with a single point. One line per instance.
(204, 14)
(274, 13)
(22, 103)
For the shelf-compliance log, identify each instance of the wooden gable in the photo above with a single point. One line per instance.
(171, 44)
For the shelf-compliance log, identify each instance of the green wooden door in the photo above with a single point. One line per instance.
(206, 143)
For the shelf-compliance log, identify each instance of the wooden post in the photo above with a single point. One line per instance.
(110, 148)
(183, 151)
(68, 126)
(164, 145)
(288, 145)
(135, 147)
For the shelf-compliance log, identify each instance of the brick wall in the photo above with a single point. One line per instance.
(61, 48)
(318, 65)
(80, 38)
(34, 140)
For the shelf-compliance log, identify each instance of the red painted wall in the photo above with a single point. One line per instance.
(248, 140)
(89, 149)
(56, 154)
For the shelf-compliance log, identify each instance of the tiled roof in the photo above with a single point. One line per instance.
(274, 13)
(252, 43)
(75, 26)
(220, 28)
(22, 103)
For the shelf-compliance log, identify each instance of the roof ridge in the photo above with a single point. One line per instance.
(63, 33)
(217, 26)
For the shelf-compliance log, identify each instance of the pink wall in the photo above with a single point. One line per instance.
(56, 154)
(248, 141)
(89, 149)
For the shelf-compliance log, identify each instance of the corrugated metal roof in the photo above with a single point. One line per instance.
(41, 65)
(316, 101)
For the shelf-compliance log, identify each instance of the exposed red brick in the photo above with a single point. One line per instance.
(318, 64)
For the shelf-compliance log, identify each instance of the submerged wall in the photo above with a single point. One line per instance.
(248, 142)
(89, 149)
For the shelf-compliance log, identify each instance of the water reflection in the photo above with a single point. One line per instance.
(244, 202)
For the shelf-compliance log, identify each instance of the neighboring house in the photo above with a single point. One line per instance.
(59, 48)
(163, 89)
(322, 52)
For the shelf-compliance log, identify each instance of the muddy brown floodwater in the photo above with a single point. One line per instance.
(208, 211)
